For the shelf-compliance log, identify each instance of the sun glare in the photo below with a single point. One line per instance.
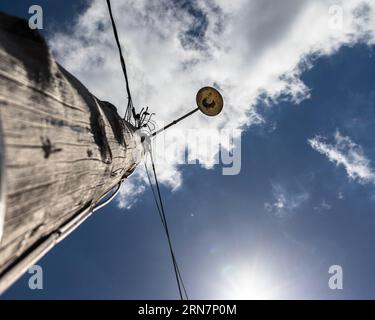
(248, 283)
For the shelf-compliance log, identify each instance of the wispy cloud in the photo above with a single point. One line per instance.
(323, 206)
(286, 202)
(346, 153)
(250, 49)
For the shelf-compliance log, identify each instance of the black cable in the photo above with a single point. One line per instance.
(167, 234)
(174, 261)
(154, 194)
(160, 207)
(123, 65)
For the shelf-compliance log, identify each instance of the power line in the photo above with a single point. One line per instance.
(159, 205)
(143, 120)
(130, 106)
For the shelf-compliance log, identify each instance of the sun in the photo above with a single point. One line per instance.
(248, 282)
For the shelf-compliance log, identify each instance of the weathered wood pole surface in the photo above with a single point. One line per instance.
(62, 149)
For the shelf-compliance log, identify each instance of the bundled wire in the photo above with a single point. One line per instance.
(144, 120)
(130, 110)
(160, 207)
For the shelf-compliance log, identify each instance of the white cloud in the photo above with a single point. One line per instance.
(286, 202)
(251, 49)
(130, 190)
(344, 152)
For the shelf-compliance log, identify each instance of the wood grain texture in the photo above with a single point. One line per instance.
(64, 149)
(2, 181)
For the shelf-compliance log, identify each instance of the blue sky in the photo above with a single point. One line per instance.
(277, 226)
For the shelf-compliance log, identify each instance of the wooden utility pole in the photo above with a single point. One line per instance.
(61, 150)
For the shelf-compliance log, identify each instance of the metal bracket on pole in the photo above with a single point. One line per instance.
(174, 122)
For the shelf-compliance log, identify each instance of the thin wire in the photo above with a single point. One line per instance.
(123, 65)
(161, 211)
(160, 207)
(179, 279)
(154, 194)
(165, 225)
(165, 229)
